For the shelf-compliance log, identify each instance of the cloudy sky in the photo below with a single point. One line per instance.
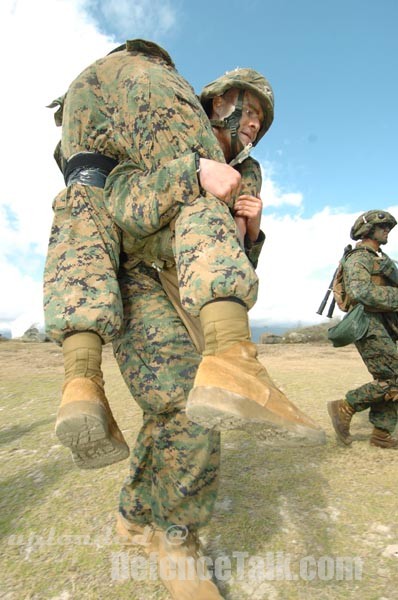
(330, 154)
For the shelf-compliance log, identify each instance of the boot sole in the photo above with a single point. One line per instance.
(346, 440)
(384, 447)
(83, 428)
(221, 410)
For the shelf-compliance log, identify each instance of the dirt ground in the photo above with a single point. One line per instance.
(296, 523)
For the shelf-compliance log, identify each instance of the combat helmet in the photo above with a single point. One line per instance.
(241, 79)
(365, 223)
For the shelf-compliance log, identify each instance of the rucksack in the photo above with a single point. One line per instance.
(337, 286)
(340, 296)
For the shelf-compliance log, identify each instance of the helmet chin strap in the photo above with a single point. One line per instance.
(241, 156)
(232, 123)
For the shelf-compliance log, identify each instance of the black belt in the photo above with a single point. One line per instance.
(88, 168)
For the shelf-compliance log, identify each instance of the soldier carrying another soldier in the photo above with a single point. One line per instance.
(157, 131)
(139, 151)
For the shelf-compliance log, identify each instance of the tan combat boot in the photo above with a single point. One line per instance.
(182, 568)
(232, 389)
(85, 423)
(341, 414)
(127, 530)
(383, 439)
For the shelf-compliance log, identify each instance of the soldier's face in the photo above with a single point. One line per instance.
(250, 122)
(380, 234)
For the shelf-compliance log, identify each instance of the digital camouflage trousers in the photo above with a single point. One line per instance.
(175, 463)
(379, 353)
(81, 290)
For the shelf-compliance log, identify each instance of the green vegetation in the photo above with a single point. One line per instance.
(315, 333)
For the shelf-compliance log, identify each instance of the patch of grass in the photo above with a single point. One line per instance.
(300, 510)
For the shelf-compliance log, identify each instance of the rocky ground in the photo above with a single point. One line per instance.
(297, 523)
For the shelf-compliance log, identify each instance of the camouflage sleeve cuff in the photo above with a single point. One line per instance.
(253, 249)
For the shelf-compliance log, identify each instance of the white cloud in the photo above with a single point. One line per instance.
(272, 194)
(21, 302)
(123, 18)
(45, 45)
(298, 260)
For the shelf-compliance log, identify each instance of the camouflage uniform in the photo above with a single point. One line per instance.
(175, 463)
(174, 466)
(366, 282)
(132, 106)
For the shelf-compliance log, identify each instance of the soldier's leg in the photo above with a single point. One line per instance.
(83, 310)
(174, 467)
(216, 281)
(379, 353)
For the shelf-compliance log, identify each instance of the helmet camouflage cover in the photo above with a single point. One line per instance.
(243, 79)
(365, 223)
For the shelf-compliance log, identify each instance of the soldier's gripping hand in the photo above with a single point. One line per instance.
(219, 179)
(249, 208)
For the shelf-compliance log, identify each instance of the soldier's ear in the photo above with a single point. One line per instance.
(217, 102)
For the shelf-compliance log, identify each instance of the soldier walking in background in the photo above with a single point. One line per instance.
(371, 278)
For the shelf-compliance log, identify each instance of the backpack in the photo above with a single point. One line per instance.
(341, 298)
(338, 288)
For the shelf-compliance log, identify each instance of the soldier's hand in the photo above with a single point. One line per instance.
(250, 207)
(219, 179)
(389, 269)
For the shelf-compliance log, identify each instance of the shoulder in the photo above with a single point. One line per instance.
(250, 166)
(361, 256)
(252, 161)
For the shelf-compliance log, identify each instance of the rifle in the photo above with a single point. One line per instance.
(326, 298)
(321, 308)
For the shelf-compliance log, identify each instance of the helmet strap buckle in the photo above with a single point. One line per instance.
(232, 122)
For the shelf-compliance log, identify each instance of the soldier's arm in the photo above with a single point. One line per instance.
(357, 276)
(389, 269)
(143, 202)
(250, 172)
(251, 186)
(253, 249)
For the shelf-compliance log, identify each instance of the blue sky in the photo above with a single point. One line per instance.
(330, 154)
(333, 67)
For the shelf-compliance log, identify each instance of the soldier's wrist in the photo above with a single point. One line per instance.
(198, 169)
(197, 166)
